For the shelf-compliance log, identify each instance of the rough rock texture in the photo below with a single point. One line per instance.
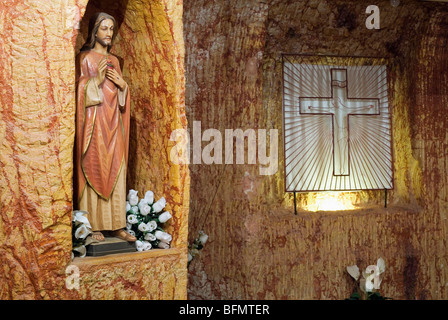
(258, 248)
(154, 275)
(37, 73)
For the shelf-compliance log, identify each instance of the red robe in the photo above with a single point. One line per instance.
(102, 128)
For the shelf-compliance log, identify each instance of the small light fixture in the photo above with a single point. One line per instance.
(331, 201)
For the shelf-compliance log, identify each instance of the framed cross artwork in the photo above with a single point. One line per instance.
(336, 124)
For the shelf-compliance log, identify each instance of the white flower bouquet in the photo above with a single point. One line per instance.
(370, 282)
(145, 219)
(81, 229)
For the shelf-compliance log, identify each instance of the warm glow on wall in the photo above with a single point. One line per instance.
(330, 201)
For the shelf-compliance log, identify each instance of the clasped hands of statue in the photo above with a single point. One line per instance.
(110, 73)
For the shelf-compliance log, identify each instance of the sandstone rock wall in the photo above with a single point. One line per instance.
(37, 73)
(258, 248)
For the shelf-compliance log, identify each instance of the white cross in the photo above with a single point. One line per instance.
(340, 107)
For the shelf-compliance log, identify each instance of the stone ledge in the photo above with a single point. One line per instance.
(124, 257)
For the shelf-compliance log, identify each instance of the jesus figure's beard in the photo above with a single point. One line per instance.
(104, 44)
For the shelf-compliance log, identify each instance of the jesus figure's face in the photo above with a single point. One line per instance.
(105, 33)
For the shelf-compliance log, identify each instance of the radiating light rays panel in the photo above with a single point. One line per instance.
(337, 131)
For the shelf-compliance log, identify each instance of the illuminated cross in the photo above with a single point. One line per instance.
(340, 107)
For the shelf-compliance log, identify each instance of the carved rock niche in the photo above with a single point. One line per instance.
(150, 50)
(41, 39)
(147, 46)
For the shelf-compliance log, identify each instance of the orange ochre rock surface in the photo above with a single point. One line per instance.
(39, 42)
(257, 247)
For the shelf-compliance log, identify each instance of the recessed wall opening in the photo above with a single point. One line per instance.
(148, 50)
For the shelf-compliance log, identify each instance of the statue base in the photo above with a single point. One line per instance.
(110, 245)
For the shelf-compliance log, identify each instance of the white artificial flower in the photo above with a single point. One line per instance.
(139, 245)
(134, 209)
(82, 232)
(128, 206)
(163, 236)
(152, 225)
(146, 246)
(163, 245)
(132, 197)
(131, 232)
(381, 265)
(143, 227)
(128, 226)
(381, 268)
(145, 209)
(377, 271)
(132, 219)
(372, 278)
(150, 237)
(203, 237)
(80, 218)
(131, 193)
(143, 204)
(353, 271)
(149, 197)
(164, 217)
(159, 205)
(190, 257)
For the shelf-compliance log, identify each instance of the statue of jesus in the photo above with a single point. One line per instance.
(102, 132)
